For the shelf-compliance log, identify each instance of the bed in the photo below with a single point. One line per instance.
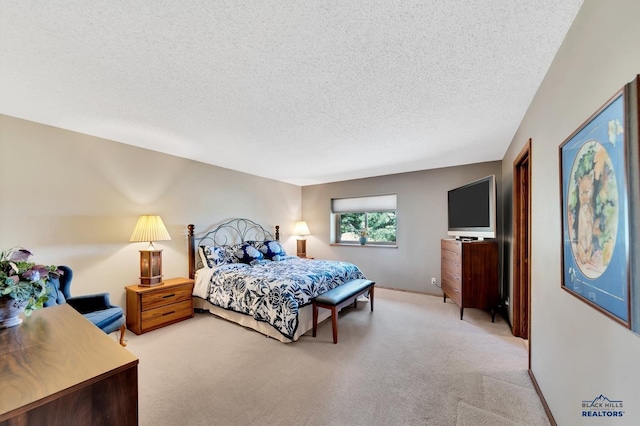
(243, 274)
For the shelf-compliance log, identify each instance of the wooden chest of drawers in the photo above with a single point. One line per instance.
(59, 369)
(469, 273)
(149, 308)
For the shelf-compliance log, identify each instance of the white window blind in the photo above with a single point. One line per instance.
(375, 203)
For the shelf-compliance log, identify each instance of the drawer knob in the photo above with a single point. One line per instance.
(168, 313)
(168, 295)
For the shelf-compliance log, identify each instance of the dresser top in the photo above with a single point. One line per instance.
(172, 282)
(52, 351)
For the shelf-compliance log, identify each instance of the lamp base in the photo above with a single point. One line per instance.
(301, 248)
(150, 281)
(150, 268)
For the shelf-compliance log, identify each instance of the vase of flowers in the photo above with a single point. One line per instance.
(364, 234)
(23, 285)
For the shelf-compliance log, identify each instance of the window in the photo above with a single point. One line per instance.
(376, 214)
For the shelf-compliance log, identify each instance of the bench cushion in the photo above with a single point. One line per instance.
(343, 292)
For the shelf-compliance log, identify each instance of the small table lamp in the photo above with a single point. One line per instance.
(301, 230)
(150, 228)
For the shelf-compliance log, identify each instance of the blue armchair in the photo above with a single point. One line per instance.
(95, 307)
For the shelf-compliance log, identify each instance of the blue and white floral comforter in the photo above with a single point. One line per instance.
(274, 291)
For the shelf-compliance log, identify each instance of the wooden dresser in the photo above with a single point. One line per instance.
(57, 368)
(149, 308)
(469, 272)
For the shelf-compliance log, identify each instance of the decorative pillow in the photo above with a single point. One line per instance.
(215, 256)
(230, 253)
(272, 250)
(211, 256)
(246, 253)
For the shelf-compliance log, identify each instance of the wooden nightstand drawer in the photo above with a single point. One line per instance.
(165, 296)
(149, 308)
(154, 318)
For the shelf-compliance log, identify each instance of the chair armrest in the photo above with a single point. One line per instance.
(90, 303)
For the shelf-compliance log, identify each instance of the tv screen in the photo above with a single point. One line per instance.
(471, 209)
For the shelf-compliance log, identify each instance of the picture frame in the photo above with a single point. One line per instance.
(594, 192)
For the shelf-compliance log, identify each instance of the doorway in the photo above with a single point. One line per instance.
(522, 243)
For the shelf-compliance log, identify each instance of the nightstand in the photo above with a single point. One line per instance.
(149, 308)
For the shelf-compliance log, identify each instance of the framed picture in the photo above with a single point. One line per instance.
(595, 211)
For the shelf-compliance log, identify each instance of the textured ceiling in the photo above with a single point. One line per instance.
(303, 92)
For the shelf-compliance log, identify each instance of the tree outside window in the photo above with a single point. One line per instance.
(381, 227)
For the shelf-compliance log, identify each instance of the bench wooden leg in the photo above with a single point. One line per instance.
(334, 323)
(315, 319)
(334, 304)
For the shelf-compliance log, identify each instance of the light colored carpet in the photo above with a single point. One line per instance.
(410, 362)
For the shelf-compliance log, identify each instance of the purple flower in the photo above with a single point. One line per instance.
(20, 255)
(32, 275)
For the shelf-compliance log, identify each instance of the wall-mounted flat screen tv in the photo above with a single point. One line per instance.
(472, 209)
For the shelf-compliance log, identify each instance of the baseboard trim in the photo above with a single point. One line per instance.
(541, 396)
(409, 291)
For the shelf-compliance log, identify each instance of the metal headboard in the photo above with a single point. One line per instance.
(234, 231)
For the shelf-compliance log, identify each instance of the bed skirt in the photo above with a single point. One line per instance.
(305, 319)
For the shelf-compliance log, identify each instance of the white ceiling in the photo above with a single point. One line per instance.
(303, 92)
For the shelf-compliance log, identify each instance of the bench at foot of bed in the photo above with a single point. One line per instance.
(338, 297)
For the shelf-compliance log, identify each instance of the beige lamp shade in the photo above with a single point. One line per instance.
(301, 229)
(150, 228)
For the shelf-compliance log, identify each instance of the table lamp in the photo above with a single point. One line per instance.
(301, 230)
(150, 228)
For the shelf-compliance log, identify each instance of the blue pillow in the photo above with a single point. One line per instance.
(247, 253)
(272, 250)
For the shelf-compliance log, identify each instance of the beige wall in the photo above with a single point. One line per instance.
(577, 353)
(422, 222)
(74, 199)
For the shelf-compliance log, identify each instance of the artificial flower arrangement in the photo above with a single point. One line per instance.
(24, 281)
(364, 232)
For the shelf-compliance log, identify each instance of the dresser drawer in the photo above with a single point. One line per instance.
(158, 317)
(166, 296)
(451, 256)
(450, 266)
(451, 245)
(452, 277)
(453, 291)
